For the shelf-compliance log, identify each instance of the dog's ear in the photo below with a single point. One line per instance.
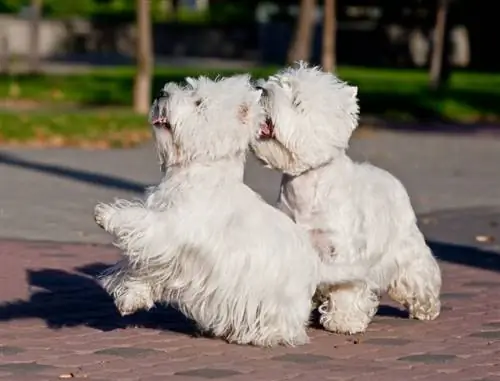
(257, 93)
(191, 81)
(352, 91)
(243, 111)
(285, 82)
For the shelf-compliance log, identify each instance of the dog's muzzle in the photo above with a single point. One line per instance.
(158, 115)
(161, 122)
(266, 129)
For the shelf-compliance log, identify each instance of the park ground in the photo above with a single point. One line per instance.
(56, 323)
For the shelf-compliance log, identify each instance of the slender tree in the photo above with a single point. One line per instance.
(34, 33)
(144, 57)
(328, 54)
(301, 46)
(4, 53)
(440, 66)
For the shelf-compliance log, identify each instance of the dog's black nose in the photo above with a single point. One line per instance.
(162, 94)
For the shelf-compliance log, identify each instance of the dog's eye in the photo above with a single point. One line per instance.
(264, 91)
(162, 94)
(198, 102)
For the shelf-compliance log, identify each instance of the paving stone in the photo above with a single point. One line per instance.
(456, 295)
(429, 358)
(209, 373)
(8, 351)
(487, 334)
(23, 367)
(482, 284)
(303, 358)
(386, 341)
(396, 322)
(492, 324)
(57, 255)
(128, 352)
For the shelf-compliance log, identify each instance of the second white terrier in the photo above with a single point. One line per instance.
(355, 213)
(204, 241)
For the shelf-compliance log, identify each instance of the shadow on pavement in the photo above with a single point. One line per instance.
(69, 299)
(64, 299)
(74, 174)
(466, 256)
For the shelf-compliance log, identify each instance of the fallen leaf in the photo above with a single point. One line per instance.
(67, 375)
(485, 238)
(428, 220)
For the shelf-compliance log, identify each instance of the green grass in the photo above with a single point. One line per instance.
(404, 94)
(100, 87)
(387, 93)
(99, 129)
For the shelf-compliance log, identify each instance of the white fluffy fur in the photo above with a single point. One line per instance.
(355, 213)
(205, 242)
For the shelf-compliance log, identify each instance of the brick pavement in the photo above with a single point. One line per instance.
(56, 323)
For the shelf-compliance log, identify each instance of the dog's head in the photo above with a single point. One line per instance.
(310, 116)
(205, 120)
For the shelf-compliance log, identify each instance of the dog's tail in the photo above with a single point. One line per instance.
(341, 272)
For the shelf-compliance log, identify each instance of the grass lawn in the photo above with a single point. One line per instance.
(104, 128)
(387, 93)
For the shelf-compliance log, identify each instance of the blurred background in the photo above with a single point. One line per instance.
(82, 72)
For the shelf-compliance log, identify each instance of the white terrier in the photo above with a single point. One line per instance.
(204, 241)
(354, 212)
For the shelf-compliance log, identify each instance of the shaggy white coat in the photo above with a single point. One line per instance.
(205, 242)
(354, 212)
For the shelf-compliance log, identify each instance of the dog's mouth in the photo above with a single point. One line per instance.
(266, 129)
(161, 122)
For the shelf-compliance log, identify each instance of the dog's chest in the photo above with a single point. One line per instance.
(298, 195)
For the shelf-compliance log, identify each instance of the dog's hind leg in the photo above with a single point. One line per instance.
(129, 291)
(274, 323)
(417, 283)
(349, 308)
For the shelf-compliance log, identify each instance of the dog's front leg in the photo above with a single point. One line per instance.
(111, 217)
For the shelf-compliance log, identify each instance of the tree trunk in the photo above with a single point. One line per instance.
(176, 7)
(144, 57)
(34, 33)
(440, 66)
(328, 54)
(301, 47)
(4, 53)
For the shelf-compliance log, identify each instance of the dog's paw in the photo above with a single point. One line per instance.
(341, 326)
(102, 212)
(131, 302)
(424, 311)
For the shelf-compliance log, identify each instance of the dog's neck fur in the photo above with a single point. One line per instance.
(298, 194)
(227, 169)
(196, 179)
